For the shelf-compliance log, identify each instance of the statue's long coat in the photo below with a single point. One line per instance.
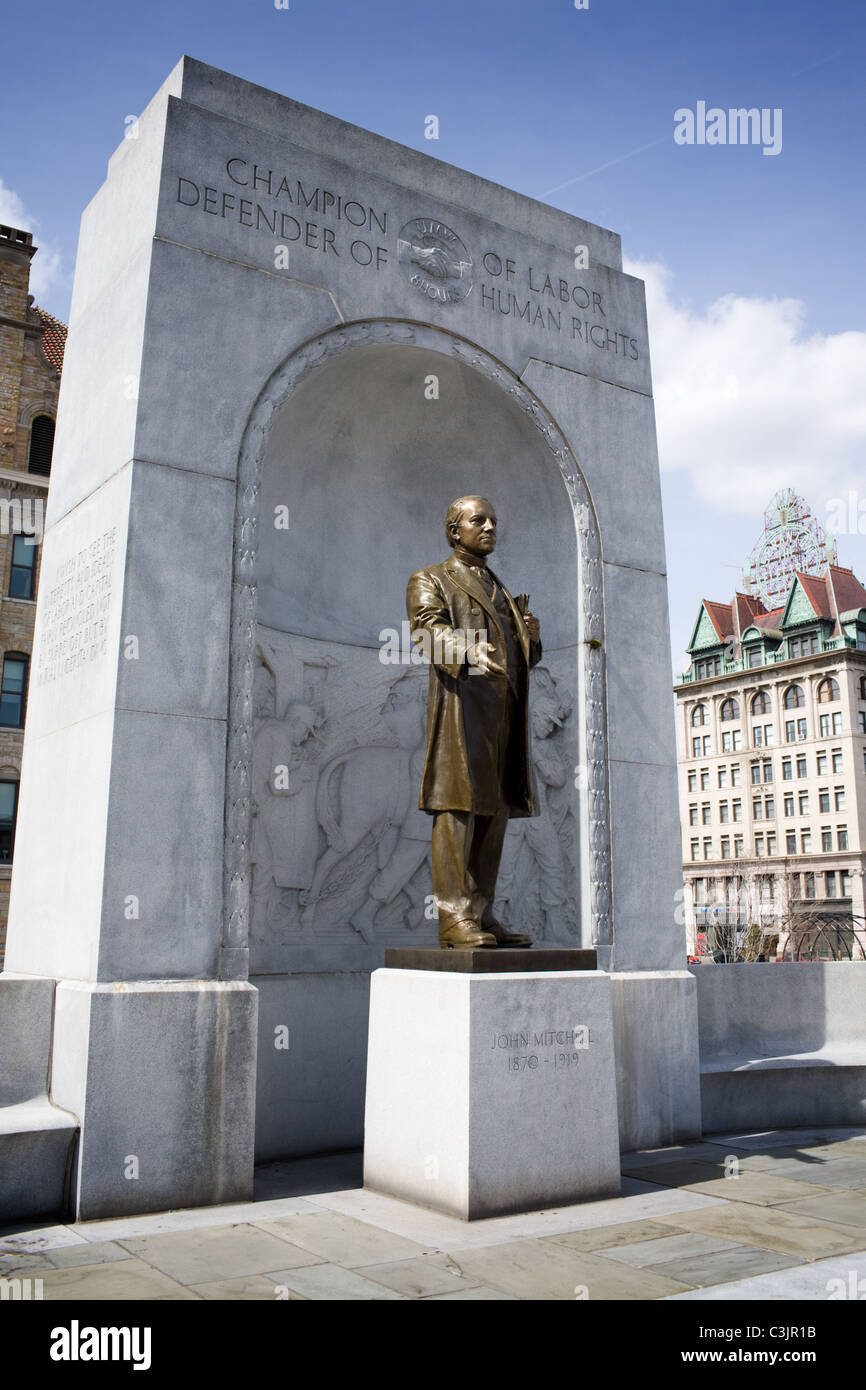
(465, 712)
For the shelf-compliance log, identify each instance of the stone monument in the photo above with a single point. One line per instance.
(287, 336)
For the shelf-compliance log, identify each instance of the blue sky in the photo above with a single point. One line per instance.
(754, 263)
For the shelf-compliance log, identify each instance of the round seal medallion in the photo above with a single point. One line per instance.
(435, 260)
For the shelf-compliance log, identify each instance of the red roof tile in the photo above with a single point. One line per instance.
(720, 617)
(53, 337)
(847, 589)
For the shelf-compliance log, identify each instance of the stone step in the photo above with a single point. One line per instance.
(37, 1138)
(37, 1144)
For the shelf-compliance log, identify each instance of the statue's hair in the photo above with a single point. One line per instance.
(455, 511)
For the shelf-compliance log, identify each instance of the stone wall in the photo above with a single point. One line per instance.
(29, 386)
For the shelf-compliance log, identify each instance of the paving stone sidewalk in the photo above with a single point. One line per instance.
(778, 1215)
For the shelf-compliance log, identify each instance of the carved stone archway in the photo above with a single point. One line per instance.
(593, 773)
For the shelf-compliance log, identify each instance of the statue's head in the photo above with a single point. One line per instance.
(403, 709)
(471, 522)
(545, 717)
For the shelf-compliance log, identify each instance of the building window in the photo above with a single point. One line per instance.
(693, 781)
(828, 691)
(730, 710)
(794, 697)
(839, 798)
(12, 690)
(821, 764)
(791, 841)
(805, 841)
(726, 846)
(693, 815)
(842, 836)
(769, 808)
(696, 747)
(789, 804)
(837, 759)
(807, 645)
(738, 846)
(707, 744)
(826, 839)
(761, 703)
(727, 745)
(753, 656)
(710, 666)
(787, 775)
(22, 576)
(861, 721)
(830, 880)
(695, 848)
(735, 772)
(810, 885)
(724, 812)
(723, 777)
(41, 445)
(757, 809)
(756, 773)
(768, 771)
(705, 779)
(708, 849)
(771, 844)
(759, 846)
(705, 813)
(801, 765)
(837, 723)
(824, 725)
(846, 883)
(699, 716)
(737, 810)
(8, 816)
(795, 730)
(824, 801)
(804, 803)
(863, 687)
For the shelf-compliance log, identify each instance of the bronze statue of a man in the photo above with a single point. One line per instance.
(477, 773)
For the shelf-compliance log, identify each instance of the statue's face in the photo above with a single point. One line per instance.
(476, 529)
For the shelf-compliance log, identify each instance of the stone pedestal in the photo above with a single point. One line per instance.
(491, 1093)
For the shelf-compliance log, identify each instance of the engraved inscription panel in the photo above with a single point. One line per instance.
(76, 607)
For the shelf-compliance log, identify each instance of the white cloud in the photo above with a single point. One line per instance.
(45, 267)
(747, 402)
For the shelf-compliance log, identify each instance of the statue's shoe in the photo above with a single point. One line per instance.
(465, 936)
(502, 936)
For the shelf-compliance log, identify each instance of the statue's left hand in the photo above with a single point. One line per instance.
(533, 626)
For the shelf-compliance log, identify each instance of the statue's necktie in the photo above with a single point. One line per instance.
(485, 578)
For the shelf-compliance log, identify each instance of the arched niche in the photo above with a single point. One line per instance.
(351, 455)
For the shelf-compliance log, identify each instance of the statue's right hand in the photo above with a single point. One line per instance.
(479, 659)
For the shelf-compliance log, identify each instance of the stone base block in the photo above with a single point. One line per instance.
(491, 1094)
(162, 1076)
(658, 1079)
(36, 1147)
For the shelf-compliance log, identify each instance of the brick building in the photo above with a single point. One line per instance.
(31, 358)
